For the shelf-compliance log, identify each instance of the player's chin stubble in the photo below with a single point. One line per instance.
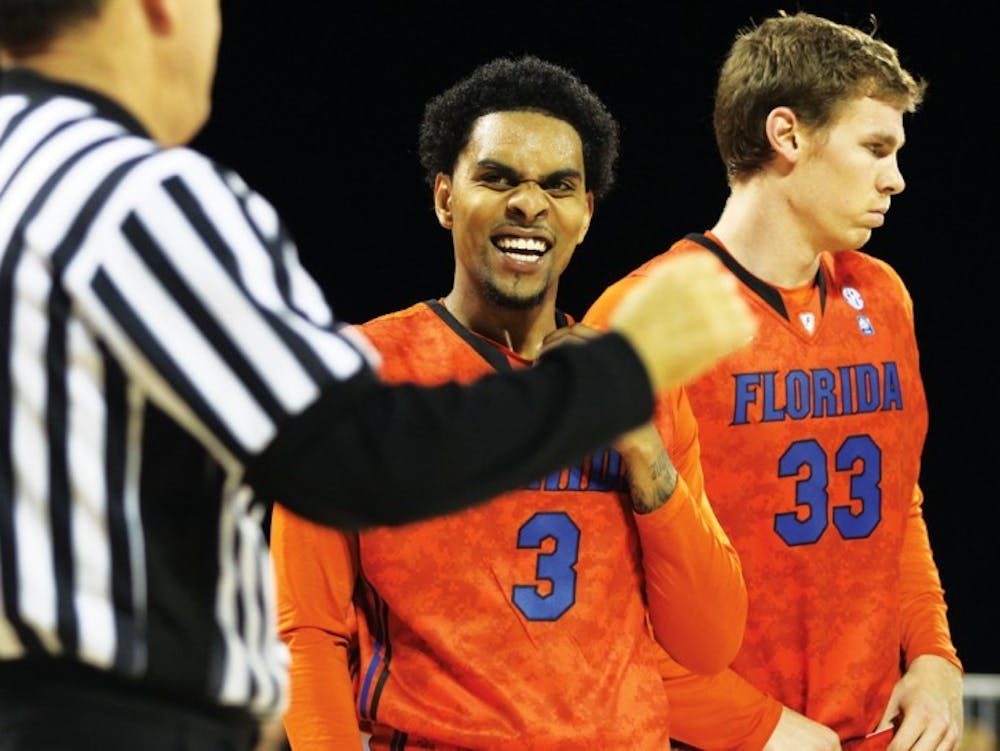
(511, 301)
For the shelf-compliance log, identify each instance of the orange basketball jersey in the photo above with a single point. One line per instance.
(518, 624)
(811, 443)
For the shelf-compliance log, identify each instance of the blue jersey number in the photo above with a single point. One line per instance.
(807, 460)
(557, 567)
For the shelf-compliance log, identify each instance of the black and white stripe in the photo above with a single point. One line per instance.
(155, 330)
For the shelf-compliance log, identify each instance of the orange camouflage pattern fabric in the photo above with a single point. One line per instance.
(811, 443)
(518, 624)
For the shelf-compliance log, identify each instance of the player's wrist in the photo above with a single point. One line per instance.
(652, 486)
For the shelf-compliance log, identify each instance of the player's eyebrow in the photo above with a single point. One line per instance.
(515, 176)
(887, 138)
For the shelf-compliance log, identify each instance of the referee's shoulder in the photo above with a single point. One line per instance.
(183, 170)
(187, 163)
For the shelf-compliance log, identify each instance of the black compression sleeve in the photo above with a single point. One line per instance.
(395, 454)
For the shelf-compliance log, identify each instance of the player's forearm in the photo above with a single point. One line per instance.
(321, 714)
(925, 628)
(718, 711)
(694, 584)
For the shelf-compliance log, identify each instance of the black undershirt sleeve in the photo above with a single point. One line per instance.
(369, 454)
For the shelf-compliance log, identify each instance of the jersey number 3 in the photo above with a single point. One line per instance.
(558, 566)
(858, 455)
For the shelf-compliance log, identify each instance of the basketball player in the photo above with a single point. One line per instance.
(812, 436)
(521, 624)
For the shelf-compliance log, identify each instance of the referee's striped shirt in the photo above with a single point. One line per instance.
(155, 328)
(162, 352)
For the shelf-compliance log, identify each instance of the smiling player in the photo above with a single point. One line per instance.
(521, 624)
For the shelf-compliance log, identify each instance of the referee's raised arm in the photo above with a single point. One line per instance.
(167, 368)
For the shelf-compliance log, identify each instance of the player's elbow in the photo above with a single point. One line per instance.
(705, 640)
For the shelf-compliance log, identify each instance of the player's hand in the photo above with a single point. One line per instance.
(650, 473)
(796, 732)
(577, 333)
(683, 317)
(928, 702)
(272, 737)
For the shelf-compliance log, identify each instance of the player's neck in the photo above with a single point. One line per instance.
(521, 331)
(766, 239)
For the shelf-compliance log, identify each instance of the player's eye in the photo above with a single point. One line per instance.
(498, 180)
(561, 187)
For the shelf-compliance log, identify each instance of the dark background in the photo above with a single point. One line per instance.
(318, 106)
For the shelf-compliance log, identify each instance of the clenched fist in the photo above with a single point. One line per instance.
(684, 316)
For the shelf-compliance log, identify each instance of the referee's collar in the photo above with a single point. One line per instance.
(35, 85)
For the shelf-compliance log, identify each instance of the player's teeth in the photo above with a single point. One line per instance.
(521, 243)
(523, 257)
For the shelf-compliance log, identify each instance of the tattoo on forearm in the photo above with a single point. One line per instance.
(656, 488)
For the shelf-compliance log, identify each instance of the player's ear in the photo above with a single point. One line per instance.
(783, 131)
(161, 15)
(587, 218)
(442, 199)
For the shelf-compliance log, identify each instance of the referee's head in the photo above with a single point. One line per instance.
(154, 58)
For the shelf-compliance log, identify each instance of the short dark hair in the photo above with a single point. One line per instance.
(808, 63)
(28, 25)
(526, 83)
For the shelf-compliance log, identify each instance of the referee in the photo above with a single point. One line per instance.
(167, 368)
